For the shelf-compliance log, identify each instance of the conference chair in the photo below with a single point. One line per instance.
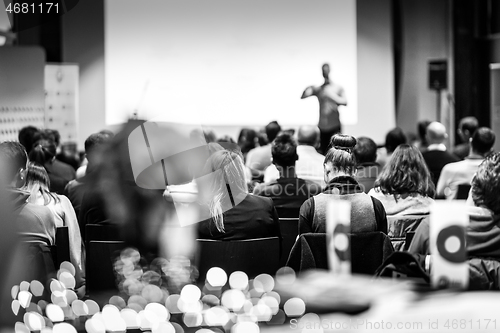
(289, 231)
(252, 256)
(399, 226)
(368, 252)
(60, 251)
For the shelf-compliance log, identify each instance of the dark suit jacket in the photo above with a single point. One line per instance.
(436, 160)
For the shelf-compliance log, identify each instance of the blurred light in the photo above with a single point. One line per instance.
(34, 321)
(261, 312)
(274, 295)
(245, 327)
(164, 327)
(139, 300)
(24, 286)
(233, 299)
(171, 303)
(190, 293)
(160, 311)
(130, 318)
(285, 276)
(93, 307)
(192, 319)
(210, 300)
(59, 298)
(46, 330)
(54, 312)
(21, 328)
(216, 316)
(14, 291)
(34, 308)
(55, 285)
(263, 283)
(70, 296)
(112, 319)
(311, 320)
(132, 286)
(42, 304)
(118, 302)
(67, 280)
(294, 307)
(238, 280)
(66, 265)
(271, 302)
(80, 308)
(36, 288)
(95, 324)
(278, 319)
(204, 330)
(15, 306)
(24, 298)
(63, 328)
(130, 254)
(152, 293)
(216, 277)
(185, 307)
(144, 320)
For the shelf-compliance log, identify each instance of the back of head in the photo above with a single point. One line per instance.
(13, 158)
(365, 150)
(486, 184)
(308, 135)
(406, 172)
(43, 152)
(27, 137)
(284, 150)
(468, 125)
(340, 155)
(226, 138)
(422, 130)
(272, 129)
(37, 181)
(247, 139)
(108, 134)
(394, 138)
(93, 142)
(483, 140)
(436, 133)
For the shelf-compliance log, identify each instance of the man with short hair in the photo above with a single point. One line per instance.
(309, 166)
(483, 232)
(365, 152)
(288, 192)
(436, 156)
(461, 172)
(466, 129)
(34, 222)
(258, 159)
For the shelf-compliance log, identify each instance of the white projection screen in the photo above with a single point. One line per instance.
(227, 62)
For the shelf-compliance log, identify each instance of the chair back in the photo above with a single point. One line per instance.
(252, 256)
(462, 191)
(399, 226)
(102, 232)
(61, 249)
(289, 231)
(368, 252)
(100, 266)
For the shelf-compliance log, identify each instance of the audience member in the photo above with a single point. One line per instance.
(44, 153)
(37, 184)
(367, 172)
(422, 131)
(393, 139)
(247, 140)
(225, 138)
(76, 188)
(465, 131)
(258, 159)
(405, 187)
(32, 221)
(461, 172)
(436, 156)
(80, 172)
(367, 213)
(288, 192)
(309, 166)
(483, 231)
(252, 217)
(27, 137)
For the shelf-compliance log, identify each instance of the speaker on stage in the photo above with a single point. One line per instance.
(438, 72)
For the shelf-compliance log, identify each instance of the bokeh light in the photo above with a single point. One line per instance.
(14, 291)
(190, 293)
(54, 312)
(216, 277)
(192, 319)
(24, 298)
(245, 327)
(216, 316)
(171, 303)
(63, 328)
(34, 321)
(159, 310)
(21, 328)
(263, 283)
(238, 280)
(93, 307)
(67, 279)
(285, 276)
(24, 286)
(130, 318)
(294, 307)
(164, 327)
(15, 306)
(36, 288)
(233, 299)
(66, 265)
(79, 308)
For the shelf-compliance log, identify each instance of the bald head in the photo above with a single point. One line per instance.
(436, 133)
(308, 135)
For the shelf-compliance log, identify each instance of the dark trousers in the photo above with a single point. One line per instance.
(325, 137)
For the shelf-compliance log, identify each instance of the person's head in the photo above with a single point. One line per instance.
(92, 144)
(393, 139)
(272, 129)
(482, 141)
(284, 150)
(467, 127)
(247, 139)
(38, 182)
(340, 159)
(422, 131)
(27, 137)
(325, 70)
(365, 150)
(108, 134)
(226, 138)
(225, 169)
(406, 172)
(13, 163)
(308, 135)
(44, 151)
(209, 135)
(436, 133)
(486, 184)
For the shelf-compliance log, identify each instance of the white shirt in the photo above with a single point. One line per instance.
(309, 166)
(437, 146)
(454, 174)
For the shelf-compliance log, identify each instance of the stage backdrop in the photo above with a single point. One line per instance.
(226, 62)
